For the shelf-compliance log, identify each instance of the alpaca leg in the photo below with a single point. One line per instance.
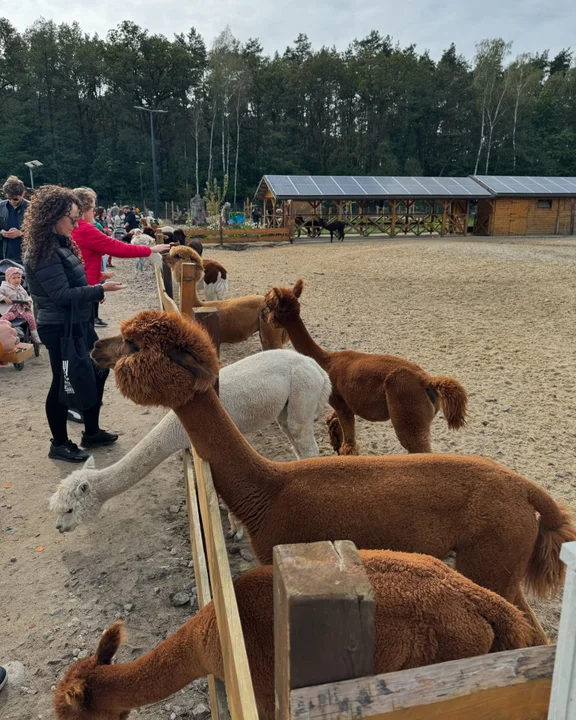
(300, 426)
(236, 528)
(411, 412)
(497, 560)
(334, 431)
(347, 426)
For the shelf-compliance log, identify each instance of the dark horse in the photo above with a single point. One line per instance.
(313, 226)
(334, 226)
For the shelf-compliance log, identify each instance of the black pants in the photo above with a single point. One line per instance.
(57, 412)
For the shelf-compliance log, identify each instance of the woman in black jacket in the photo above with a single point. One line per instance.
(56, 279)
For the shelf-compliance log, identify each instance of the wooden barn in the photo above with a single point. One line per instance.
(384, 205)
(526, 206)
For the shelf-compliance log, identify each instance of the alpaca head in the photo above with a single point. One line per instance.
(159, 358)
(281, 304)
(73, 699)
(76, 500)
(180, 254)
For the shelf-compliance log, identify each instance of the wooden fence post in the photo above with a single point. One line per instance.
(221, 231)
(324, 611)
(563, 698)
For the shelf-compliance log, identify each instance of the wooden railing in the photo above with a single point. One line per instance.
(324, 628)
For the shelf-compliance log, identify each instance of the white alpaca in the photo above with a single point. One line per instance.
(275, 385)
(216, 290)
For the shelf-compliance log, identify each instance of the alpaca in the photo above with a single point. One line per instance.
(239, 317)
(425, 614)
(256, 391)
(425, 503)
(334, 226)
(215, 280)
(375, 387)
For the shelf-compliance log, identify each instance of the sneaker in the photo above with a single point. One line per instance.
(3, 677)
(35, 337)
(69, 452)
(75, 416)
(98, 322)
(101, 438)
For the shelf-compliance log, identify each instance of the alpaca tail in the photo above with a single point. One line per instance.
(334, 431)
(511, 628)
(546, 572)
(326, 391)
(453, 400)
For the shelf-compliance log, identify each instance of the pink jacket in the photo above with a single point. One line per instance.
(94, 245)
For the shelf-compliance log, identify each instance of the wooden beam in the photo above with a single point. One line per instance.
(563, 701)
(216, 689)
(324, 611)
(209, 318)
(513, 685)
(187, 288)
(240, 691)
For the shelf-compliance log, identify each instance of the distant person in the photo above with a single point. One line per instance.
(13, 294)
(12, 219)
(56, 278)
(130, 220)
(100, 219)
(226, 213)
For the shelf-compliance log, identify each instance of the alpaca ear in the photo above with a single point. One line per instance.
(109, 643)
(186, 361)
(90, 464)
(298, 287)
(74, 693)
(82, 489)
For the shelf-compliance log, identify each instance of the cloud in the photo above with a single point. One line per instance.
(429, 24)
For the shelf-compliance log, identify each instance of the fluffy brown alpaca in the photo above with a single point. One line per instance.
(239, 317)
(374, 387)
(424, 503)
(425, 614)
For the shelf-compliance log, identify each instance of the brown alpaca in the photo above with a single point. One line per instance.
(424, 503)
(425, 614)
(211, 270)
(239, 317)
(374, 387)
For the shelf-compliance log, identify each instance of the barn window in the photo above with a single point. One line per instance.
(545, 204)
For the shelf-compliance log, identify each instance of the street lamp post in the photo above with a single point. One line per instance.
(153, 141)
(31, 164)
(140, 164)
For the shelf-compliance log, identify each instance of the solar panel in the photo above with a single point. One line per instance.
(514, 185)
(371, 187)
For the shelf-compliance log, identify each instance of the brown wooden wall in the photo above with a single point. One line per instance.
(522, 216)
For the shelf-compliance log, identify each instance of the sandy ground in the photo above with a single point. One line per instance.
(497, 315)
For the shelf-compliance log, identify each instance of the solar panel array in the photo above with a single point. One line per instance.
(505, 185)
(310, 187)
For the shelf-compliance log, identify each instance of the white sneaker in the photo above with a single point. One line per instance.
(35, 337)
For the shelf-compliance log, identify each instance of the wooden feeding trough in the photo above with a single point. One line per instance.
(324, 628)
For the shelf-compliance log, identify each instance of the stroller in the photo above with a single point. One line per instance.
(19, 324)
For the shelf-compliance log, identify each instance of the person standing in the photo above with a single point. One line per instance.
(130, 219)
(94, 244)
(60, 290)
(11, 218)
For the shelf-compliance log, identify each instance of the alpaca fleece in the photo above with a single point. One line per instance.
(424, 503)
(425, 613)
(239, 318)
(375, 387)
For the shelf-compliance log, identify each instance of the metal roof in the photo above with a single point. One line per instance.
(356, 187)
(527, 186)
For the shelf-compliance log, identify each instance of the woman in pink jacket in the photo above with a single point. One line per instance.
(94, 244)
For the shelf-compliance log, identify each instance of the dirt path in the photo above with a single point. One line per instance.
(496, 315)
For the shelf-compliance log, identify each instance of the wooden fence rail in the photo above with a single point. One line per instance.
(324, 615)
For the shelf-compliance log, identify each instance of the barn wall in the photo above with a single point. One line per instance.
(522, 216)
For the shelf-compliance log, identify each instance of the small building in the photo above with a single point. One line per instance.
(526, 206)
(384, 205)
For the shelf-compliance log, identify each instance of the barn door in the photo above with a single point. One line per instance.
(518, 216)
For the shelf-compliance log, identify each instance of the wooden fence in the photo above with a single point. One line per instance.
(324, 628)
(237, 234)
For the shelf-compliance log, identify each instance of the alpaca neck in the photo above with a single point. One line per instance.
(183, 657)
(245, 480)
(162, 441)
(303, 341)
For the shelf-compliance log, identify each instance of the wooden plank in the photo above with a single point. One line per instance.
(239, 687)
(218, 703)
(187, 287)
(209, 318)
(563, 702)
(470, 686)
(166, 302)
(324, 611)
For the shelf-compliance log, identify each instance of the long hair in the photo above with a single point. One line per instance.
(49, 204)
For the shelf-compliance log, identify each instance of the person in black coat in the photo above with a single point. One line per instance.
(12, 219)
(56, 279)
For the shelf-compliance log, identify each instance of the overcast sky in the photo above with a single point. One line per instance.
(532, 25)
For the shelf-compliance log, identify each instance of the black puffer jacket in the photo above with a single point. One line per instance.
(54, 282)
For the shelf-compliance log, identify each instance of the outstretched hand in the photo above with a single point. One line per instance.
(164, 247)
(112, 286)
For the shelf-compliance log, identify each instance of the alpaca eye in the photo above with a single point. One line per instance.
(133, 347)
(69, 511)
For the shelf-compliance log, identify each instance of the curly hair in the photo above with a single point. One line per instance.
(49, 204)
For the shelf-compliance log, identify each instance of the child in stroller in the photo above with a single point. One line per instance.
(13, 294)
